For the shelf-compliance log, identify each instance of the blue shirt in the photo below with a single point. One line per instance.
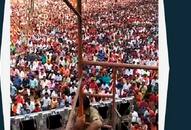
(13, 90)
(101, 55)
(33, 83)
(106, 79)
(17, 82)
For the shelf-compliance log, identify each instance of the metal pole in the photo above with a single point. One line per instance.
(79, 8)
(114, 91)
(120, 65)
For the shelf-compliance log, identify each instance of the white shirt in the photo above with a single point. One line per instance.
(126, 86)
(118, 93)
(45, 91)
(54, 94)
(34, 66)
(45, 101)
(48, 67)
(41, 75)
(22, 62)
(58, 78)
(63, 62)
(129, 72)
(134, 116)
(22, 74)
(31, 106)
(105, 86)
(146, 113)
(137, 61)
(45, 83)
(73, 89)
(53, 76)
(69, 99)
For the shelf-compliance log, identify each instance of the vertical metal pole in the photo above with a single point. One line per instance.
(114, 91)
(79, 8)
(70, 123)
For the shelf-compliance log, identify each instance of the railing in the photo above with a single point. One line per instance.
(66, 114)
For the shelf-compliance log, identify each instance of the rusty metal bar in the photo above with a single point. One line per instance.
(72, 8)
(80, 47)
(80, 60)
(119, 118)
(117, 112)
(99, 95)
(120, 65)
(113, 102)
(70, 122)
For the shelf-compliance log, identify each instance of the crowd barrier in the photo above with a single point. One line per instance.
(43, 120)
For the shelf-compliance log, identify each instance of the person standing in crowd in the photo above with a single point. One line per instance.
(46, 102)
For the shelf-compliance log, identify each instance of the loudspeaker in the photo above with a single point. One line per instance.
(124, 109)
(54, 121)
(103, 111)
(28, 125)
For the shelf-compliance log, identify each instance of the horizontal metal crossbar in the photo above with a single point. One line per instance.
(119, 65)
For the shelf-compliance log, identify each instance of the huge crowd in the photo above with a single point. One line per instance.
(44, 55)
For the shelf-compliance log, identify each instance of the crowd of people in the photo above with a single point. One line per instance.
(44, 54)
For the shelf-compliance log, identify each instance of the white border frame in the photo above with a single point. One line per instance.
(163, 66)
(5, 64)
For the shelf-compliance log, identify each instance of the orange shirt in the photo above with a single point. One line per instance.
(62, 70)
(67, 72)
(19, 99)
(14, 108)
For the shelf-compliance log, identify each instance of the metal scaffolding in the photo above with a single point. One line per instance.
(82, 63)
